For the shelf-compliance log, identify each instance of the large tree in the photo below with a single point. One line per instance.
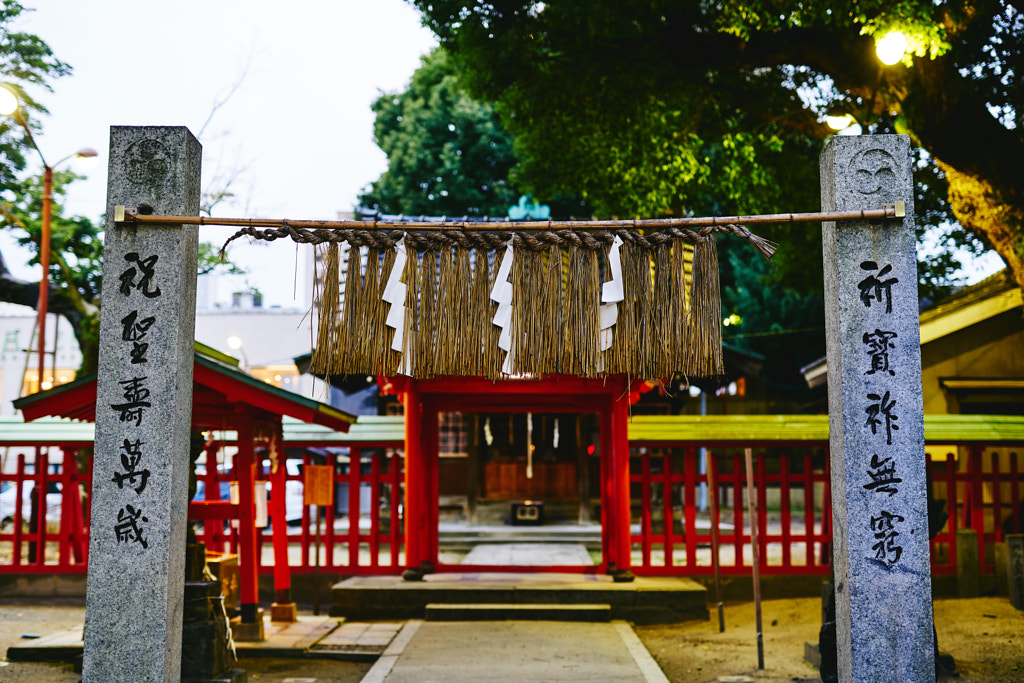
(666, 107)
(447, 153)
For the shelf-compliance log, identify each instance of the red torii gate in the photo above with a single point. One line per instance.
(224, 398)
(423, 399)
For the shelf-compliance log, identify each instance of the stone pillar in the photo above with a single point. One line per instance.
(143, 412)
(879, 494)
(1015, 569)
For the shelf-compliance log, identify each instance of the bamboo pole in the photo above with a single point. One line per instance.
(129, 216)
(752, 512)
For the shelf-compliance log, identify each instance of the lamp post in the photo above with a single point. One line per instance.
(235, 343)
(9, 104)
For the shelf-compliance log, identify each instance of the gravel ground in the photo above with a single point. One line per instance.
(984, 635)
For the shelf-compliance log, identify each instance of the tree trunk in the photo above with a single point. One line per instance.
(984, 210)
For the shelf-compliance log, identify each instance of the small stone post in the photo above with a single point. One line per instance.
(876, 421)
(135, 596)
(968, 564)
(1015, 569)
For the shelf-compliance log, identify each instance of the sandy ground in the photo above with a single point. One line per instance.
(984, 635)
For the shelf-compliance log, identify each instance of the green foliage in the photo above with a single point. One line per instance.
(24, 59)
(76, 239)
(447, 153)
(661, 107)
(780, 323)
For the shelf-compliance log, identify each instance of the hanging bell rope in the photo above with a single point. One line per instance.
(496, 298)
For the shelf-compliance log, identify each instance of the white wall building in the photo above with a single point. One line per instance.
(19, 359)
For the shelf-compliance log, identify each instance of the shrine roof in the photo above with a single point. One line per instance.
(970, 305)
(217, 382)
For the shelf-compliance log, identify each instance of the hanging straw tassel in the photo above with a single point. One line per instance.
(381, 357)
(445, 321)
(663, 338)
(411, 278)
(480, 309)
(349, 339)
(581, 328)
(467, 349)
(704, 348)
(549, 314)
(325, 356)
(624, 332)
(677, 332)
(426, 342)
(362, 346)
(527, 325)
(632, 343)
(492, 356)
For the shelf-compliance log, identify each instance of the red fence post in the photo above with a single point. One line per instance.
(1015, 494)
(397, 496)
(787, 538)
(283, 608)
(645, 511)
(247, 578)
(997, 511)
(689, 477)
(354, 467)
(809, 509)
(374, 508)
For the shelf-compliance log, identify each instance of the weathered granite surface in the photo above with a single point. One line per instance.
(880, 521)
(143, 412)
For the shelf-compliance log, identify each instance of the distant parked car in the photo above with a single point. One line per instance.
(8, 504)
(293, 493)
(224, 486)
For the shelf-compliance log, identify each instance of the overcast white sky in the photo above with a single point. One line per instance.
(299, 127)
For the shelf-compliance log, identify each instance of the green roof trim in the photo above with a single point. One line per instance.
(938, 429)
(204, 350)
(367, 429)
(810, 428)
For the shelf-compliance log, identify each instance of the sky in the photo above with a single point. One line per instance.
(296, 137)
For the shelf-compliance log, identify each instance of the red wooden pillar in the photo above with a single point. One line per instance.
(417, 485)
(284, 608)
(609, 547)
(618, 498)
(245, 467)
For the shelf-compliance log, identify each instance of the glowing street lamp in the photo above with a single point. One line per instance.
(839, 122)
(9, 105)
(235, 343)
(891, 48)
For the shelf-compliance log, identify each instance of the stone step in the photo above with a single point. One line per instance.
(648, 599)
(526, 612)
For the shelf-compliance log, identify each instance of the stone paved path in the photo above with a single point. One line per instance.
(461, 652)
(523, 554)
